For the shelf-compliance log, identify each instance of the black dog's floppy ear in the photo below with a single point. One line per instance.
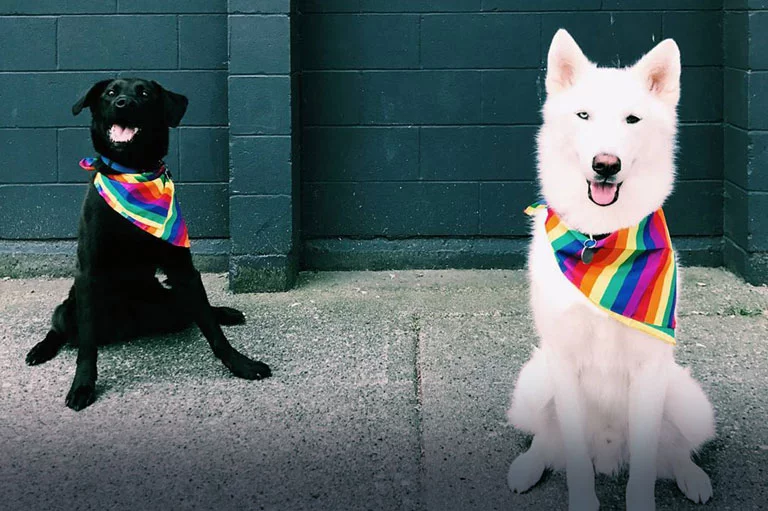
(90, 97)
(174, 106)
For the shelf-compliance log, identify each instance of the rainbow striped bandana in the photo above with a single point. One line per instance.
(146, 199)
(631, 273)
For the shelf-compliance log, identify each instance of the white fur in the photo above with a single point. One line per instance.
(597, 394)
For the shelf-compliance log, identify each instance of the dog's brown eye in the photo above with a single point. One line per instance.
(144, 94)
(632, 119)
(583, 115)
(110, 93)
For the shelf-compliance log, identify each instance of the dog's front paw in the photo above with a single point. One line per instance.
(81, 396)
(243, 367)
(228, 316)
(695, 483)
(83, 390)
(40, 353)
(524, 472)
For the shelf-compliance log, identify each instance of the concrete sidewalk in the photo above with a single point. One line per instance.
(389, 393)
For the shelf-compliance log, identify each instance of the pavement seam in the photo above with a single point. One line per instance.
(419, 395)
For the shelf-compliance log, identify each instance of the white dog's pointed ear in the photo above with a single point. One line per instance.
(660, 70)
(564, 63)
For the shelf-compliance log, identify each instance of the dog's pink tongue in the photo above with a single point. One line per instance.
(121, 133)
(603, 193)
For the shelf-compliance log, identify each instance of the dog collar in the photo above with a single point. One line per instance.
(631, 273)
(145, 198)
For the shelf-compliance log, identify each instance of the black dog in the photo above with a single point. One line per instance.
(116, 295)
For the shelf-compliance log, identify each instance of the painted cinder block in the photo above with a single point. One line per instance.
(696, 33)
(608, 39)
(203, 42)
(502, 206)
(28, 43)
(344, 41)
(259, 7)
(390, 209)
(701, 94)
(172, 6)
(736, 47)
(420, 5)
(695, 208)
(261, 224)
(360, 154)
(659, 5)
(260, 165)
(259, 44)
(58, 7)
(124, 42)
(540, 5)
(512, 96)
(331, 98)
(735, 90)
(421, 97)
(205, 209)
(27, 155)
(328, 5)
(40, 212)
(747, 155)
(203, 154)
(480, 41)
(758, 40)
(46, 100)
(700, 151)
(260, 105)
(478, 153)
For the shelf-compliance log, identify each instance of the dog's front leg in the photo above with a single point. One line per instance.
(90, 315)
(571, 414)
(188, 288)
(647, 392)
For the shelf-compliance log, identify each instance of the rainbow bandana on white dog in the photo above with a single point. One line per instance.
(631, 273)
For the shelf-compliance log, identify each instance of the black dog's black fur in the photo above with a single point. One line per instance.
(116, 295)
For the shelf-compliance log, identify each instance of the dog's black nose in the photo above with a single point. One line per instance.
(606, 165)
(121, 102)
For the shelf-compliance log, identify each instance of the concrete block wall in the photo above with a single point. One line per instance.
(52, 52)
(745, 40)
(368, 134)
(419, 118)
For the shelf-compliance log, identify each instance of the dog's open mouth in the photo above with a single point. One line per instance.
(122, 134)
(603, 193)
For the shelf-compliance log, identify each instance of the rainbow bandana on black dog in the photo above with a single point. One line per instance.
(146, 199)
(631, 273)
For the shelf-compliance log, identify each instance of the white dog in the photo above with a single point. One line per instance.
(603, 389)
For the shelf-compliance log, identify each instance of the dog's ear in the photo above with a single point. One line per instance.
(174, 106)
(90, 97)
(659, 69)
(564, 63)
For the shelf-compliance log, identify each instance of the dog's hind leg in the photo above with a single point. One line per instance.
(532, 411)
(689, 422)
(188, 288)
(63, 328)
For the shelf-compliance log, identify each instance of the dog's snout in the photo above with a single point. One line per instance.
(121, 102)
(606, 165)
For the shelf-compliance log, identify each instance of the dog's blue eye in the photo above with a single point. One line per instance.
(632, 119)
(583, 115)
